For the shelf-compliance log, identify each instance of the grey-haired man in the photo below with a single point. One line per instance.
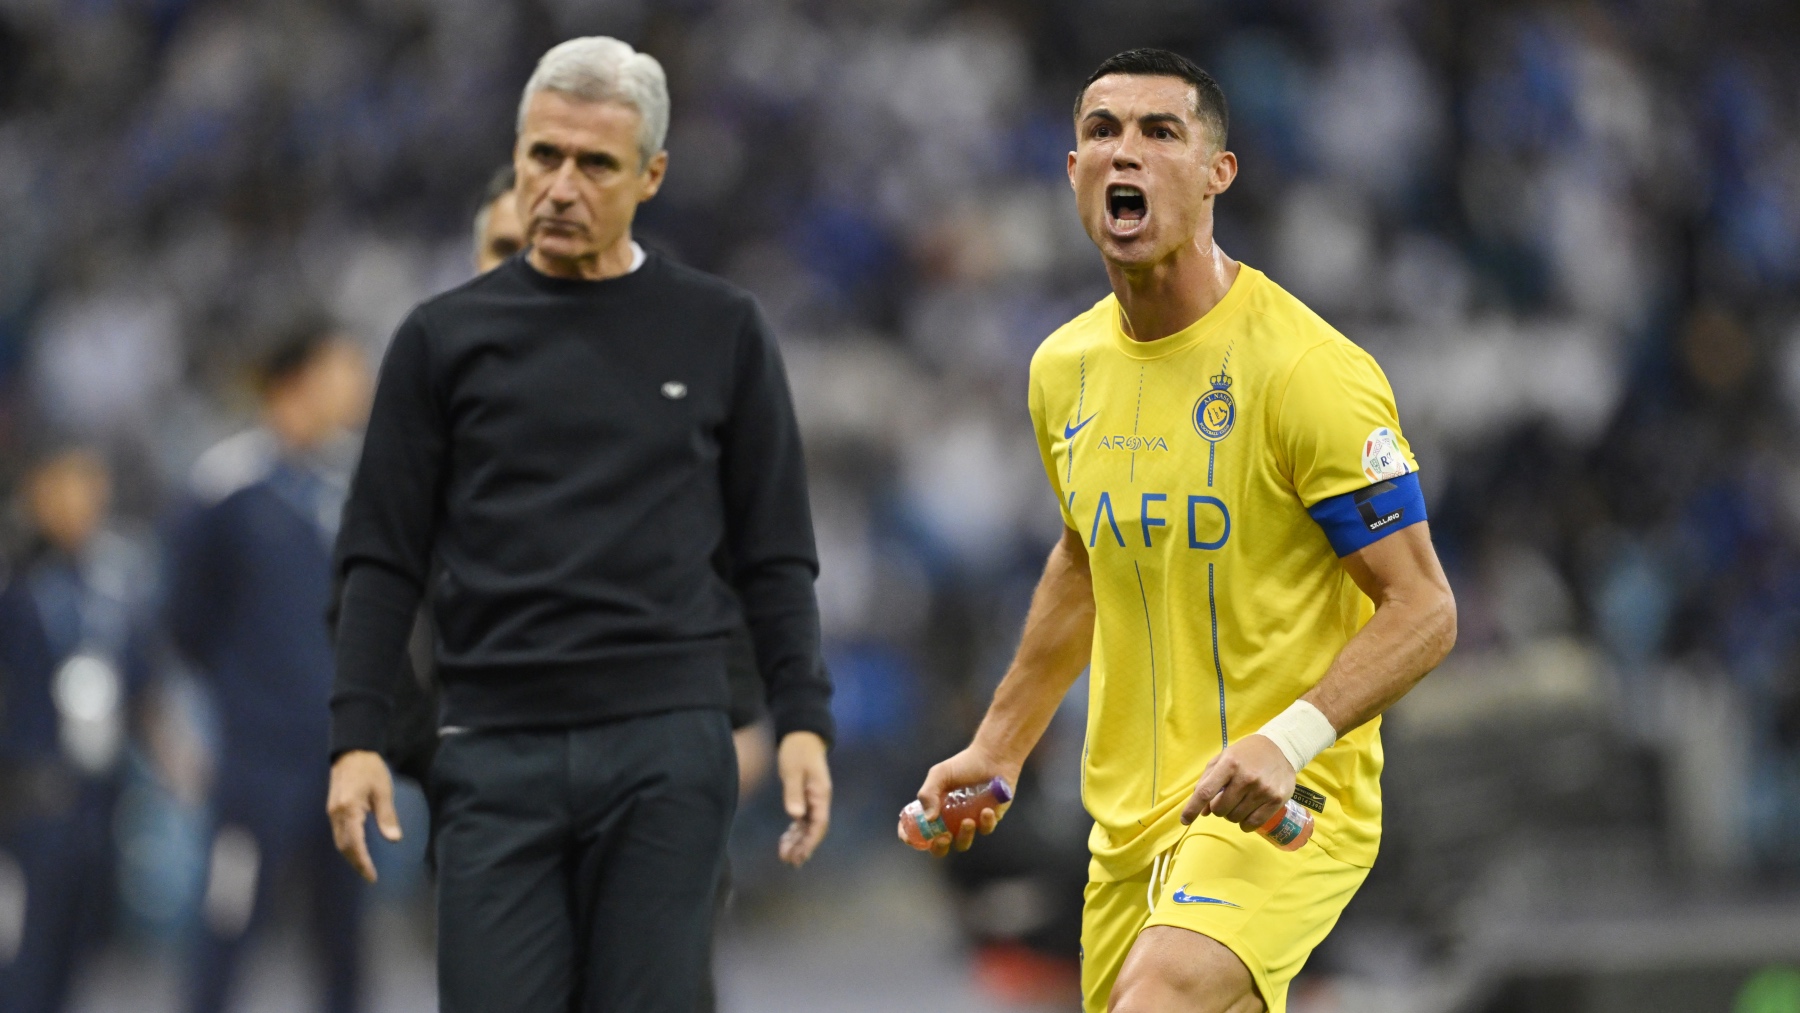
(571, 438)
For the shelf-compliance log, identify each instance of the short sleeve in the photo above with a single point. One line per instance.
(1046, 452)
(1339, 433)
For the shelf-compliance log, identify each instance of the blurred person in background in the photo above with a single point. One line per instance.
(71, 653)
(498, 231)
(571, 438)
(250, 580)
(1326, 602)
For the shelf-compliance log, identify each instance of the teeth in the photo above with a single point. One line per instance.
(1126, 191)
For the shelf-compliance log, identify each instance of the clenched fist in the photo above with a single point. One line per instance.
(1247, 784)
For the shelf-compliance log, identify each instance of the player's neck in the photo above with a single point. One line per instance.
(1163, 298)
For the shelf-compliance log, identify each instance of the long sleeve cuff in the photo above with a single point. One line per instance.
(373, 626)
(805, 709)
(358, 722)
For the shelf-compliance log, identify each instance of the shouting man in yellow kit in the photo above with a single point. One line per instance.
(1245, 564)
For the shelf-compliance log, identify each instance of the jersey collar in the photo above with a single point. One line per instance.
(1247, 278)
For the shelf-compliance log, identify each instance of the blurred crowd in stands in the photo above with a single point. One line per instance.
(1569, 231)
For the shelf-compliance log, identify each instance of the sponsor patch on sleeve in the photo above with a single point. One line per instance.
(1381, 456)
(1359, 519)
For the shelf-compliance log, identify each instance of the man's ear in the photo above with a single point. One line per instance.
(654, 172)
(1222, 172)
(1071, 170)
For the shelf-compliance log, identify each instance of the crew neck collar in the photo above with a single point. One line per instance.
(1210, 321)
(639, 258)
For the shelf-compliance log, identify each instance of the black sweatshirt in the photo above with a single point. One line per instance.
(573, 454)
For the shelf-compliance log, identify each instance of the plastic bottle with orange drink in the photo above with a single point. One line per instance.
(1290, 829)
(961, 804)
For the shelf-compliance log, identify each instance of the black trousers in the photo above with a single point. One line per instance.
(577, 868)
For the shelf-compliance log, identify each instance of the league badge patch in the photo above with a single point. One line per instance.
(1381, 457)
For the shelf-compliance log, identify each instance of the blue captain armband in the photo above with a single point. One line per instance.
(1357, 520)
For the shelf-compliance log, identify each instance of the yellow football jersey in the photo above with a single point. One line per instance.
(1205, 471)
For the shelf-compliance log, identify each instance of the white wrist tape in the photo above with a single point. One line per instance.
(1301, 732)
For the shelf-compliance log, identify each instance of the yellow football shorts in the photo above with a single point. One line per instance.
(1270, 907)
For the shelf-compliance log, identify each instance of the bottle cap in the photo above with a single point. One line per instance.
(1002, 791)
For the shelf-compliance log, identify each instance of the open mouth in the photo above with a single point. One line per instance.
(1126, 208)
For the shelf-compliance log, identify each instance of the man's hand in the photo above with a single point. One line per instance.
(805, 793)
(973, 765)
(360, 784)
(1059, 636)
(1247, 784)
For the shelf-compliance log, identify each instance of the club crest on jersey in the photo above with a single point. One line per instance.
(1381, 457)
(1215, 411)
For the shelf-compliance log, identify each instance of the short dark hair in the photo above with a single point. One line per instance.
(1209, 98)
(295, 349)
(502, 181)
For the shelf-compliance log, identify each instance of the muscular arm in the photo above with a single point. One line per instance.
(1413, 628)
(1059, 635)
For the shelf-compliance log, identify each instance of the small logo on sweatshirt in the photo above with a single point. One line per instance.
(674, 390)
